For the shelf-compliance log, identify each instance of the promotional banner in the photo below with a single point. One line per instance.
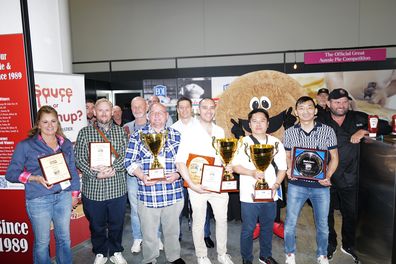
(16, 235)
(343, 56)
(14, 97)
(372, 92)
(65, 93)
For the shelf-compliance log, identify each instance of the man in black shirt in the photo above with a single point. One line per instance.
(350, 127)
(321, 99)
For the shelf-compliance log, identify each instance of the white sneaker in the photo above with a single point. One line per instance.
(160, 245)
(203, 260)
(117, 258)
(323, 260)
(225, 259)
(100, 259)
(137, 246)
(290, 259)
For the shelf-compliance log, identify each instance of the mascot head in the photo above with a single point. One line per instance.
(271, 90)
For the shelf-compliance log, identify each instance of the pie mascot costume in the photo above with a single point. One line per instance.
(273, 91)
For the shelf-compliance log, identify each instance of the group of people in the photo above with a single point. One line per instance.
(156, 205)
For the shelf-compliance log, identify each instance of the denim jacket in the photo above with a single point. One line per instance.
(25, 159)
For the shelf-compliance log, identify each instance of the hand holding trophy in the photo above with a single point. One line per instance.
(261, 155)
(154, 143)
(227, 147)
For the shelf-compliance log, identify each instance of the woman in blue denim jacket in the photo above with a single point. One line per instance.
(45, 202)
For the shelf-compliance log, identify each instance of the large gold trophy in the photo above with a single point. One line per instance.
(227, 147)
(154, 143)
(261, 155)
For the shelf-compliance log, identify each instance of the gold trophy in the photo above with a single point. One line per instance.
(261, 156)
(154, 143)
(227, 148)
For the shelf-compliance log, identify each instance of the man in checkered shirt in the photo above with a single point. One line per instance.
(310, 134)
(104, 191)
(160, 201)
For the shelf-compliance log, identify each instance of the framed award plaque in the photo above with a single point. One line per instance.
(212, 177)
(194, 165)
(99, 154)
(309, 163)
(54, 168)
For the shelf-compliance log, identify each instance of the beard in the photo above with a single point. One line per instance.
(341, 112)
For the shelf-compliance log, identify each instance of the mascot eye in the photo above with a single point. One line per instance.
(265, 102)
(254, 103)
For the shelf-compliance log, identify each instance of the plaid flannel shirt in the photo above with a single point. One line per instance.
(137, 155)
(92, 187)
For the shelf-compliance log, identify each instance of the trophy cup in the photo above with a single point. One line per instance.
(154, 143)
(261, 155)
(227, 148)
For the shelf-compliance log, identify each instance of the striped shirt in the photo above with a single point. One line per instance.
(137, 155)
(321, 137)
(92, 187)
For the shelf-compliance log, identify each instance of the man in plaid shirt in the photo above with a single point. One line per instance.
(159, 201)
(104, 192)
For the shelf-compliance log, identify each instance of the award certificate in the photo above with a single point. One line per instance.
(99, 154)
(212, 177)
(54, 168)
(309, 163)
(194, 165)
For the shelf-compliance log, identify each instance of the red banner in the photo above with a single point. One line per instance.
(16, 235)
(14, 97)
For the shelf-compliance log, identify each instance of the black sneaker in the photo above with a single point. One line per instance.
(331, 250)
(267, 260)
(179, 261)
(351, 252)
(246, 262)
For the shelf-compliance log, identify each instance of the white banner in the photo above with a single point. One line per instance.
(65, 93)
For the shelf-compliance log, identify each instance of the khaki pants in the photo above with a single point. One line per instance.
(150, 219)
(219, 203)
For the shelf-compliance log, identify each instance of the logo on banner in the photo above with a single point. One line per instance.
(160, 90)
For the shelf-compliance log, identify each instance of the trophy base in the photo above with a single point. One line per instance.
(321, 177)
(156, 174)
(263, 195)
(229, 186)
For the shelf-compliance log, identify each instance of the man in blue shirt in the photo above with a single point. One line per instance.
(159, 201)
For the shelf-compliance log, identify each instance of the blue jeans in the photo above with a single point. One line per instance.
(42, 210)
(265, 213)
(132, 186)
(207, 222)
(320, 199)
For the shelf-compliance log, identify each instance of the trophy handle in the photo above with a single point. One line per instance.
(276, 149)
(239, 143)
(246, 148)
(141, 135)
(214, 144)
(165, 136)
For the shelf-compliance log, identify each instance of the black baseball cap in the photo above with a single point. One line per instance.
(339, 93)
(323, 90)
